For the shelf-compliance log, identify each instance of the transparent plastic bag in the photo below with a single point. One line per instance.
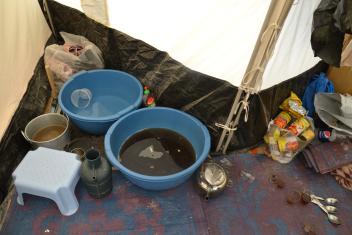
(77, 54)
(283, 144)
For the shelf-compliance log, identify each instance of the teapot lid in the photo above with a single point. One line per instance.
(214, 174)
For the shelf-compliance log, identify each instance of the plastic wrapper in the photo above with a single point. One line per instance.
(298, 126)
(308, 135)
(293, 105)
(77, 54)
(282, 119)
(288, 143)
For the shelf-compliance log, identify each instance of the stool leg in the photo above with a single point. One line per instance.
(66, 201)
(19, 197)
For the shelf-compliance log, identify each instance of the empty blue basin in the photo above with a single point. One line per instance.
(114, 94)
(159, 117)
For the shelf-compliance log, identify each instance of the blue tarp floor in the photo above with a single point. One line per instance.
(244, 208)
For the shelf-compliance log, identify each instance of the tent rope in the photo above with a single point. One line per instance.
(245, 104)
(245, 85)
(275, 27)
(225, 127)
(268, 53)
(273, 38)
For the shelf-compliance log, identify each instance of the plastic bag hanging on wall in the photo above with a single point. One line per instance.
(77, 54)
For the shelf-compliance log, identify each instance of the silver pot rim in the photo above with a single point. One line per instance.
(40, 116)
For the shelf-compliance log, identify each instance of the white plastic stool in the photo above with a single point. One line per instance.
(49, 173)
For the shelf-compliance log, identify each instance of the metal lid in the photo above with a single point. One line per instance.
(214, 174)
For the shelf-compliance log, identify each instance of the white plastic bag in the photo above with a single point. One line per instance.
(77, 54)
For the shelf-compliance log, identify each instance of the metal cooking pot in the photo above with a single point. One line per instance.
(43, 121)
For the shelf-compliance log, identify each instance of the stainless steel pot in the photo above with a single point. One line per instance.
(43, 121)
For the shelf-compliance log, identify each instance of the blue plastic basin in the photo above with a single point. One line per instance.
(114, 94)
(172, 119)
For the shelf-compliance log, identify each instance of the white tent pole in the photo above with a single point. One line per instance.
(229, 137)
(225, 130)
(251, 81)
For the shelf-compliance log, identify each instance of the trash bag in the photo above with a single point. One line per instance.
(343, 16)
(77, 54)
(331, 20)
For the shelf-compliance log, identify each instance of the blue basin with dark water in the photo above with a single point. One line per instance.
(113, 94)
(182, 123)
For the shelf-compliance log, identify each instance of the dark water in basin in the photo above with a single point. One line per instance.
(157, 152)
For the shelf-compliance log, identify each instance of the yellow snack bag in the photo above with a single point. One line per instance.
(293, 97)
(293, 105)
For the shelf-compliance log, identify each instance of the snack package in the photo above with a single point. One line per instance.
(298, 126)
(282, 119)
(293, 105)
(288, 143)
(307, 135)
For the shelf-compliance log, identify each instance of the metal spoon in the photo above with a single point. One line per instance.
(316, 197)
(331, 209)
(329, 200)
(332, 218)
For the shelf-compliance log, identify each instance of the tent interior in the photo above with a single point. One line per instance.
(194, 55)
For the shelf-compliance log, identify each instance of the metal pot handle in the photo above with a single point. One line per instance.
(24, 136)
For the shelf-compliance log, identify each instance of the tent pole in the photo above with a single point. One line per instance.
(251, 82)
(235, 123)
(229, 118)
(46, 8)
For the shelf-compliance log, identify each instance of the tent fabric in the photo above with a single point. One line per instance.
(293, 53)
(21, 45)
(332, 19)
(13, 147)
(217, 37)
(97, 10)
(175, 85)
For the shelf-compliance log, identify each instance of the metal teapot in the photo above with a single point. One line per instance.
(211, 179)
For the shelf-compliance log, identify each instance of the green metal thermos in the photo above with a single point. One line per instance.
(96, 174)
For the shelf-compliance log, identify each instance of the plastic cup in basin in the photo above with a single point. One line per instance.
(81, 98)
